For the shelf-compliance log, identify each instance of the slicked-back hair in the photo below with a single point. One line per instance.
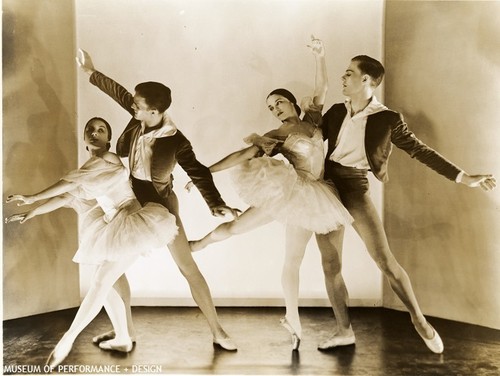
(371, 67)
(156, 95)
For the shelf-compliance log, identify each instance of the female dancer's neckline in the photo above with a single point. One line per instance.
(291, 128)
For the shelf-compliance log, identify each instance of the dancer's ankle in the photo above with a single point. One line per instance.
(195, 245)
(344, 331)
(294, 322)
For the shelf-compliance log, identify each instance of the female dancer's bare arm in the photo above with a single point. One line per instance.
(235, 158)
(50, 205)
(321, 77)
(57, 189)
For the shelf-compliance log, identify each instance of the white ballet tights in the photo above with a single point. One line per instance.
(100, 291)
(295, 246)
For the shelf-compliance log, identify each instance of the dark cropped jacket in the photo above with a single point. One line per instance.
(382, 130)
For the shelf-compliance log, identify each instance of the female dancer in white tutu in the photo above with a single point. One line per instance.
(115, 231)
(291, 193)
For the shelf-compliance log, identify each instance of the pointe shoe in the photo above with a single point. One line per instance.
(295, 338)
(225, 343)
(108, 345)
(55, 359)
(337, 341)
(106, 337)
(435, 344)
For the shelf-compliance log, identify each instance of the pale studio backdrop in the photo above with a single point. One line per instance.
(221, 59)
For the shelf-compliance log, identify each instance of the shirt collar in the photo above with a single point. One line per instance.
(373, 107)
(168, 128)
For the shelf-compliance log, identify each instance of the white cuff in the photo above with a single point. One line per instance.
(459, 177)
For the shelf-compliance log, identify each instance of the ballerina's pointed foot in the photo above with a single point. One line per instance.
(107, 336)
(337, 341)
(435, 344)
(225, 343)
(104, 337)
(58, 355)
(195, 245)
(111, 345)
(295, 337)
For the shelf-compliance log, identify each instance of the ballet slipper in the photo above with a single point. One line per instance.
(295, 338)
(104, 337)
(111, 346)
(435, 344)
(58, 355)
(107, 336)
(225, 343)
(337, 341)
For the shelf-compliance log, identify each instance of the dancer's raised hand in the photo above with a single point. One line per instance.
(316, 46)
(84, 61)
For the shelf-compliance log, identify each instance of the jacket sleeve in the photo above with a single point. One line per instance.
(199, 174)
(405, 140)
(117, 92)
(324, 123)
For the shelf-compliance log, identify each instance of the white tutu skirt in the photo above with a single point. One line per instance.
(134, 230)
(289, 196)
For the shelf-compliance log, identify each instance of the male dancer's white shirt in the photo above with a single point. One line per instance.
(350, 146)
(142, 149)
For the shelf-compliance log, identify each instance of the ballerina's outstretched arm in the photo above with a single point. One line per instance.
(50, 205)
(56, 200)
(259, 143)
(234, 159)
(229, 161)
(62, 186)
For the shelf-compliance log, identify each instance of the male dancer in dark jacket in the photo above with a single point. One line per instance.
(154, 145)
(360, 134)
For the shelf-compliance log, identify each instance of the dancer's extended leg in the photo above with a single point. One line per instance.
(249, 220)
(181, 253)
(370, 228)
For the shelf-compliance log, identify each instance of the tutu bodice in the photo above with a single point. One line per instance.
(116, 225)
(103, 181)
(305, 153)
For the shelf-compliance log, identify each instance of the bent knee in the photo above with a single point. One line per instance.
(331, 266)
(390, 268)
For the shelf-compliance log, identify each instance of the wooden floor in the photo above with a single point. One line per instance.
(178, 341)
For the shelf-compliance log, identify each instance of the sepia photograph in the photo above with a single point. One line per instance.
(251, 187)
